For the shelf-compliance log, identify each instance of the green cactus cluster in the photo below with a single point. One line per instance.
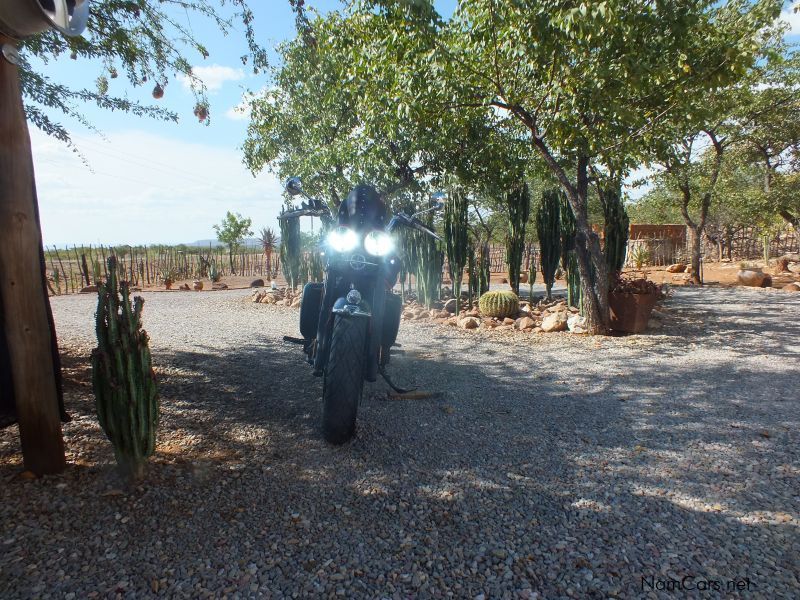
(456, 237)
(548, 226)
(125, 390)
(569, 260)
(290, 251)
(499, 304)
(615, 232)
(518, 202)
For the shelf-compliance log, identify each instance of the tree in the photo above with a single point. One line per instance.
(231, 232)
(269, 242)
(583, 82)
(768, 125)
(137, 39)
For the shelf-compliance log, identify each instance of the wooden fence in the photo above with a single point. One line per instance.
(71, 269)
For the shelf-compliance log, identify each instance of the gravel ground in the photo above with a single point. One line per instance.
(549, 466)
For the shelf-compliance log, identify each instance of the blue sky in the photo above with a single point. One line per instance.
(155, 182)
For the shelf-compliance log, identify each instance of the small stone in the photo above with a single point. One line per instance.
(791, 287)
(257, 283)
(89, 289)
(197, 285)
(508, 321)
(676, 268)
(469, 323)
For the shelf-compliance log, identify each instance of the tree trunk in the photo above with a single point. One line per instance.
(25, 320)
(591, 263)
(697, 243)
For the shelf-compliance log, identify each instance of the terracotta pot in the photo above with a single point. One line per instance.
(631, 312)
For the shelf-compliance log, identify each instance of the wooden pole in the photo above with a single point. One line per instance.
(25, 320)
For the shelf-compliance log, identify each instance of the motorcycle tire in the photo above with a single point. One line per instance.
(309, 310)
(344, 379)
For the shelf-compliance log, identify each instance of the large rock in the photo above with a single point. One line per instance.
(754, 278)
(450, 306)
(257, 283)
(89, 289)
(469, 323)
(525, 323)
(676, 268)
(791, 287)
(555, 322)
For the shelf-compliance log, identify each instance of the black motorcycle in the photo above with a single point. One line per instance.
(350, 322)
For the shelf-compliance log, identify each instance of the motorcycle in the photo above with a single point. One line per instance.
(350, 321)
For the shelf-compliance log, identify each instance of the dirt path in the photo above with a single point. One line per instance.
(549, 465)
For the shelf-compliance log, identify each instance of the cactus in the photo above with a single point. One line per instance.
(531, 275)
(290, 253)
(316, 268)
(615, 231)
(499, 304)
(57, 281)
(569, 260)
(484, 269)
(472, 272)
(430, 260)
(548, 226)
(518, 202)
(213, 272)
(456, 236)
(125, 391)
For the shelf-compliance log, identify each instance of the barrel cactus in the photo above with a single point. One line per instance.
(124, 384)
(499, 304)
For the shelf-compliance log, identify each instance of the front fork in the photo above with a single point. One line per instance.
(333, 305)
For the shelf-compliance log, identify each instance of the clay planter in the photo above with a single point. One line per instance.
(630, 313)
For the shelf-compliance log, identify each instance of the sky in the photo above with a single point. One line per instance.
(146, 181)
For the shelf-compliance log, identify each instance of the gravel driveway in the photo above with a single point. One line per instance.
(548, 466)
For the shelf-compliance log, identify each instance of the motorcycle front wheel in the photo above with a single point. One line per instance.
(344, 379)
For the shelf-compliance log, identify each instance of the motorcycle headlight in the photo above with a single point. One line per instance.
(342, 239)
(378, 243)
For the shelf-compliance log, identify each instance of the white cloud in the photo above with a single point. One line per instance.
(145, 188)
(213, 76)
(792, 18)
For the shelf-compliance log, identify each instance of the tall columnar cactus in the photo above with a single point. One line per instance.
(518, 202)
(474, 275)
(290, 253)
(548, 226)
(615, 231)
(569, 259)
(456, 238)
(499, 304)
(484, 268)
(125, 391)
(429, 260)
(531, 275)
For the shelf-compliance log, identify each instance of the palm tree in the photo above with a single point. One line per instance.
(269, 241)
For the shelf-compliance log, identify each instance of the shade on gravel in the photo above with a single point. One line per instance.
(548, 466)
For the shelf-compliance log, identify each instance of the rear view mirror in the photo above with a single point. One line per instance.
(294, 186)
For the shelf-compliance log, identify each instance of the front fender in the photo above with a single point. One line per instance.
(341, 307)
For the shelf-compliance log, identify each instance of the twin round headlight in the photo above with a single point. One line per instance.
(376, 243)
